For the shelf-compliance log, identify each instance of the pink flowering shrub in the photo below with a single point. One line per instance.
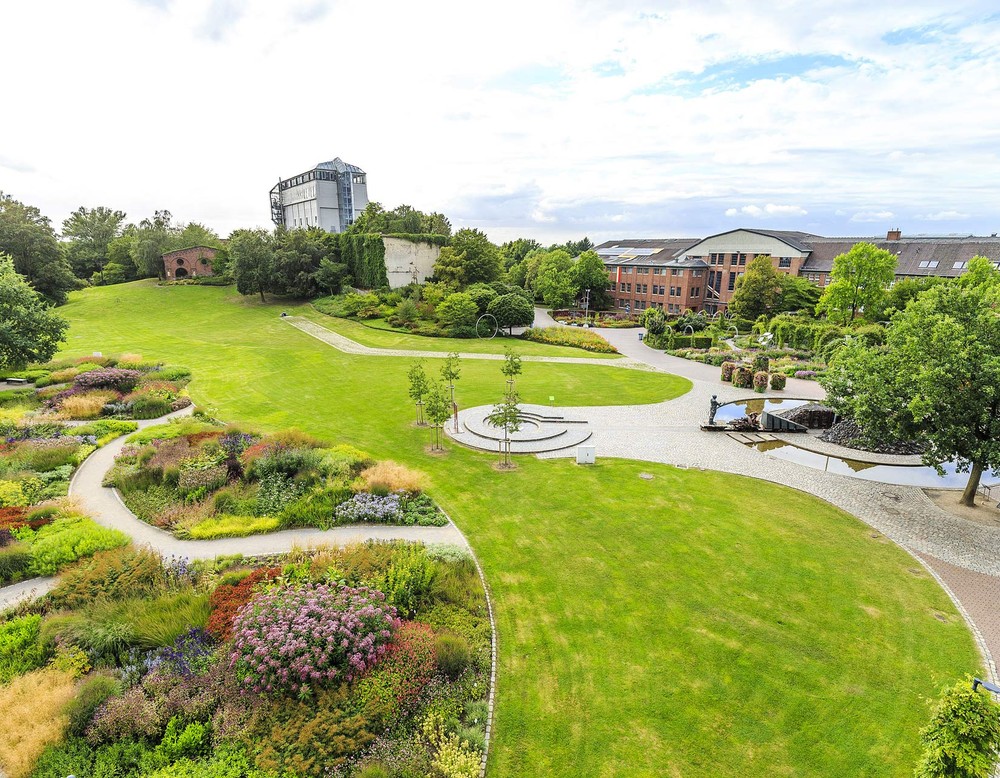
(292, 639)
(109, 378)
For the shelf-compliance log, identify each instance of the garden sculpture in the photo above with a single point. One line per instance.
(713, 406)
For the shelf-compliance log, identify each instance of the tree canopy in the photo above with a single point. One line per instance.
(758, 290)
(252, 258)
(403, 219)
(858, 281)
(937, 378)
(90, 232)
(482, 262)
(27, 237)
(29, 330)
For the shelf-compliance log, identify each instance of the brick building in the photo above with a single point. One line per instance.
(678, 274)
(189, 262)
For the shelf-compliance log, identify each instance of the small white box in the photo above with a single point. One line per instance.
(586, 455)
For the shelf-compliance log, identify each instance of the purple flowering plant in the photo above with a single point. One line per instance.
(108, 378)
(365, 506)
(290, 640)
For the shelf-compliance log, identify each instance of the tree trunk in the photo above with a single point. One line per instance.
(262, 295)
(969, 495)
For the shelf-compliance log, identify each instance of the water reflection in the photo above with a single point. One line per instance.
(903, 475)
(740, 408)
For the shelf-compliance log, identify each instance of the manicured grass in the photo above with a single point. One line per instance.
(378, 334)
(695, 624)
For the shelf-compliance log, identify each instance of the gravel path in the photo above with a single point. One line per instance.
(25, 590)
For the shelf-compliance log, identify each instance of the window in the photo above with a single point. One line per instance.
(697, 273)
(657, 271)
(785, 262)
(643, 270)
(628, 287)
(925, 263)
(714, 258)
(933, 263)
(732, 281)
(960, 266)
(696, 291)
(734, 258)
(677, 272)
(743, 259)
(645, 289)
(622, 289)
(621, 303)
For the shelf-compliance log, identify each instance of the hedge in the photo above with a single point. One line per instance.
(364, 255)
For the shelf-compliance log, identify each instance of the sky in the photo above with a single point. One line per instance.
(549, 119)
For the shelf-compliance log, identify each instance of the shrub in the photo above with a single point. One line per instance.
(68, 538)
(226, 526)
(112, 575)
(805, 374)
(87, 405)
(451, 757)
(408, 579)
(453, 654)
(365, 506)
(778, 381)
(456, 310)
(326, 634)
(421, 511)
(15, 562)
(761, 363)
(93, 691)
(742, 377)
(109, 378)
(759, 381)
(563, 336)
(317, 509)
(20, 647)
(393, 477)
(228, 598)
(33, 707)
(149, 407)
(403, 671)
(132, 715)
(727, 370)
(963, 737)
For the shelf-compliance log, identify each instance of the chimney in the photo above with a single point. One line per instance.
(895, 234)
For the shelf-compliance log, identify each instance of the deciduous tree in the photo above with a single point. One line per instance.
(90, 232)
(482, 259)
(419, 386)
(457, 310)
(937, 378)
(512, 310)
(758, 291)
(252, 261)
(27, 237)
(963, 737)
(29, 330)
(858, 281)
(438, 410)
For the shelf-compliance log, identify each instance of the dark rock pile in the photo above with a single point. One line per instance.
(812, 416)
(846, 433)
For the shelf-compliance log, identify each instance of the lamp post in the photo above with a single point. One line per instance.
(586, 310)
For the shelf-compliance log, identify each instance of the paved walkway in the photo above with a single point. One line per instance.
(25, 590)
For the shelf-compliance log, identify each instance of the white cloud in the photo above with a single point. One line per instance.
(872, 216)
(943, 216)
(768, 211)
(200, 107)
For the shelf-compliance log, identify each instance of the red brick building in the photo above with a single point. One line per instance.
(188, 263)
(678, 274)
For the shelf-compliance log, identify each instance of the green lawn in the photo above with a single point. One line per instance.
(695, 624)
(378, 334)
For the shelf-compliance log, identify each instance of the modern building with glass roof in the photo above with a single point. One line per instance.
(331, 196)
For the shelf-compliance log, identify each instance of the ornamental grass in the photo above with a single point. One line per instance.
(33, 706)
(393, 477)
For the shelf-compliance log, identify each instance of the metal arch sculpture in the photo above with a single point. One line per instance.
(493, 329)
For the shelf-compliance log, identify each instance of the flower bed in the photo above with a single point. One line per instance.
(202, 481)
(561, 336)
(313, 673)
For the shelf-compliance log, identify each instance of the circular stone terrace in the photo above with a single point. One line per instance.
(543, 430)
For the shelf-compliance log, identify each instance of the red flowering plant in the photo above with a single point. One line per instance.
(292, 639)
(227, 599)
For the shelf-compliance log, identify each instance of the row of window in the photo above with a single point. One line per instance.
(317, 175)
(657, 271)
(675, 291)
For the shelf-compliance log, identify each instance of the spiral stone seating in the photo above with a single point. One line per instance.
(541, 431)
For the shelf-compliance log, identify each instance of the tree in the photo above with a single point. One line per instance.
(963, 736)
(506, 416)
(936, 378)
(797, 294)
(27, 237)
(195, 234)
(252, 261)
(758, 291)
(450, 267)
(901, 292)
(482, 295)
(401, 219)
(482, 259)
(457, 310)
(512, 310)
(590, 273)
(555, 283)
(438, 410)
(419, 387)
(90, 233)
(511, 367)
(330, 275)
(151, 240)
(29, 330)
(514, 251)
(858, 281)
(298, 256)
(450, 373)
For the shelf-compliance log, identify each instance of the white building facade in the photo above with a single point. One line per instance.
(330, 196)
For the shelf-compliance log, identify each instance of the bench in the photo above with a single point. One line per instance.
(17, 380)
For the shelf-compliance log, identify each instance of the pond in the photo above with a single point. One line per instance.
(902, 475)
(740, 408)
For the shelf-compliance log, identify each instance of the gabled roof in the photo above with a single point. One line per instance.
(797, 240)
(910, 253)
(339, 165)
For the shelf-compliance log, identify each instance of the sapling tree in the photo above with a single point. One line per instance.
(418, 389)
(511, 368)
(438, 410)
(450, 373)
(505, 416)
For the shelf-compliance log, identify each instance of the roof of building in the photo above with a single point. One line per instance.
(797, 240)
(915, 256)
(646, 251)
(189, 248)
(339, 165)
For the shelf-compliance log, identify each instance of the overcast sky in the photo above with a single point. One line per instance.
(549, 119)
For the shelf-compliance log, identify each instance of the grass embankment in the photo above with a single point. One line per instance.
(694, 624)
(378, 334)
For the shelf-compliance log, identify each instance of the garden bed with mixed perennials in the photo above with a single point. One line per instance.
(372, 660)
(203, 480)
